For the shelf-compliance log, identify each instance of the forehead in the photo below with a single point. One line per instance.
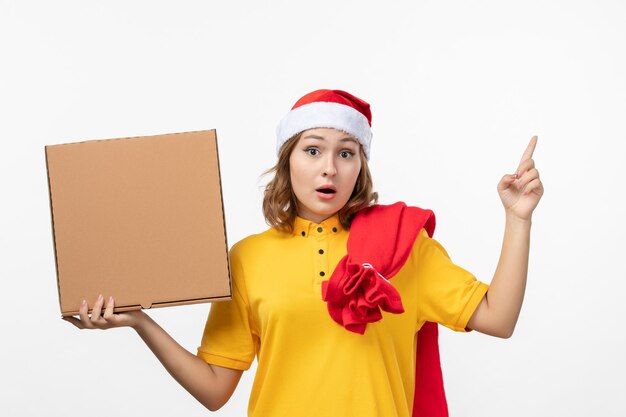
(328, 134)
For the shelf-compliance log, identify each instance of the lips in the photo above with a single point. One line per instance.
(326, 192)
(327, 189)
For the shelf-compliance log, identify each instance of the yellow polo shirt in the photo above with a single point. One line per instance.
(308, 365)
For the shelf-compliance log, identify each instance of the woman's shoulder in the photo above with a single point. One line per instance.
(256, 243)
(426, 245)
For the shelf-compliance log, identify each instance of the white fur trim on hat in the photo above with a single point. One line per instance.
(325, 114)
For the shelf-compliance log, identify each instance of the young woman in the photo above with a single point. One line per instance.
(333, 320)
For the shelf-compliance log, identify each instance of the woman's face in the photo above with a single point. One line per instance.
(324, 167)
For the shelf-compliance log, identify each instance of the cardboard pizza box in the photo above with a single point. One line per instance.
(140, 219)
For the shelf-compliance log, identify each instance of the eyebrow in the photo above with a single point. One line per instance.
(346, 139)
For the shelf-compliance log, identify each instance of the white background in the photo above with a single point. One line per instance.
(457, 89)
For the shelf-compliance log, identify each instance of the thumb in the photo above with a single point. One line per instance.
(506, 181)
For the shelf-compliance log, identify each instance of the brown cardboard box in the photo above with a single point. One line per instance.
(140, 219)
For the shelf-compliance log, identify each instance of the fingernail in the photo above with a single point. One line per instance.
(100, 297)
(110, 298)
(84, 302)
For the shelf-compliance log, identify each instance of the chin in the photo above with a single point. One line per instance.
(330, 211)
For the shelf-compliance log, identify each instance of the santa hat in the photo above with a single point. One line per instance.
(328, 108)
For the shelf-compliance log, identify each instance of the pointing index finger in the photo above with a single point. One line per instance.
(528, 153)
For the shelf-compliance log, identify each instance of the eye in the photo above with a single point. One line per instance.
(312, 151)
(346, 154)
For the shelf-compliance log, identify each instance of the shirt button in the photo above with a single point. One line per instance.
(303, 233)
(335, 229)
(321, 251)
(319, 229)
(322, 273)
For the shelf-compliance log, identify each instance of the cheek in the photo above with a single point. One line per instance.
(355, 172)
(297, 173)
(351, 177)
(293, 169)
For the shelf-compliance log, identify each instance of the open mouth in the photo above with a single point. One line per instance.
(326, 190)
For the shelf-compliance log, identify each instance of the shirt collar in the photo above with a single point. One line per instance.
(303, 227)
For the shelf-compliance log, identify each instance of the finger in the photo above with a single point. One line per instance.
(528, 153)
(97, 309)
(534, 185)
(84, 315)
(74, 321)
(506, 181)
(528, 177)
(525, 166)
(108, 311)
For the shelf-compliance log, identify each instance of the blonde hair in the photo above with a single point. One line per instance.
(280, 206)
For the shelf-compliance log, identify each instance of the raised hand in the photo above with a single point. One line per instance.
(104, 320)
(520, 192)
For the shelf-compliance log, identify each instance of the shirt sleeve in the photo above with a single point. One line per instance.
(229, 339)
(447, 294)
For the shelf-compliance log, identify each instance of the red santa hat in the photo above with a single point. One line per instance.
(328, 108)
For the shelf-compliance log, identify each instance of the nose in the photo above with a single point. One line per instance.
(329, 169)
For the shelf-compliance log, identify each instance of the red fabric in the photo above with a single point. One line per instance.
(429, 399)
(339, 97)
(380, 242)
